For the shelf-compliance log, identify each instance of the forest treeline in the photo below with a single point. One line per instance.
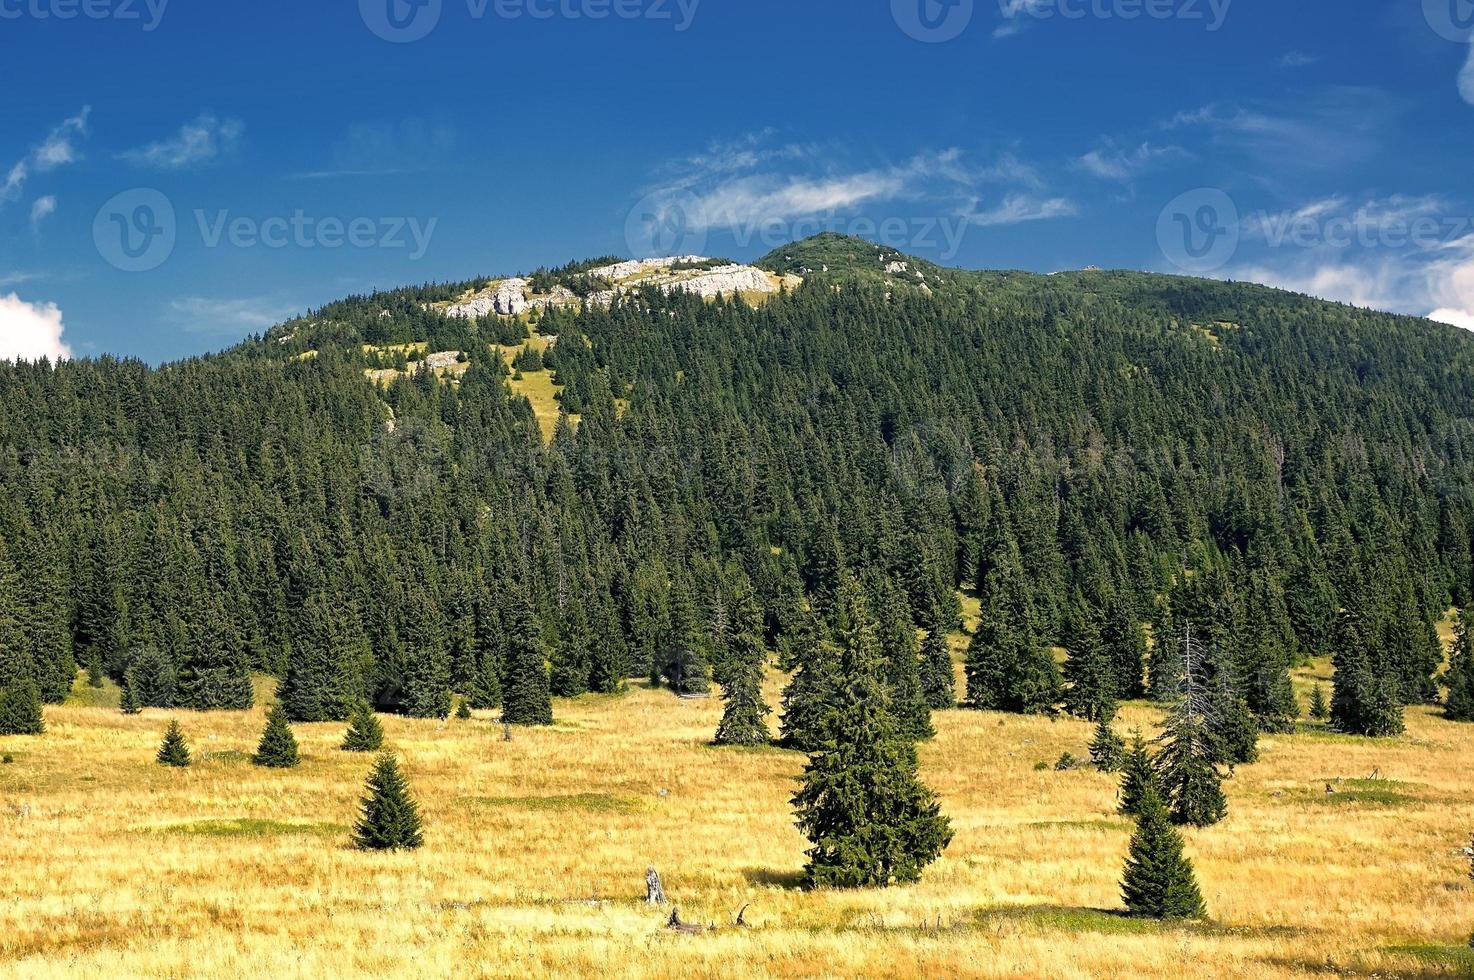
(1103, 457)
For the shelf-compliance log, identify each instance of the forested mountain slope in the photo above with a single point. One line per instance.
(1091, 451)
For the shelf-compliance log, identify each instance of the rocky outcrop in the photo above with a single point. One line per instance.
(509, 298)
(724, 280)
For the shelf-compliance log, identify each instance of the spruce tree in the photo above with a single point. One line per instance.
(571, 662)
(1008, 669)
(743, 717)
(463, 709)
(871, 821)
(1159, 882)
(1190, 782)
(324, 679)
(365, 733)
(129, 703)
(1320, 709)
(1090, 676)
(20, 708)
(807, 697)
(389, 818)
(278, 747)
(938, 679)
(1138, 776)
(427, 679)
(1366, 697)
(1460, 703)
(174, 751)
(897, 633)
(526, 699)
(1107, 749)
(1124, 642)
(215, 674)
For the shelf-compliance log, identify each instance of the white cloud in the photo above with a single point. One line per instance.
(1327, 129)
(29, 332)
(385, 149)
(228, 317)
(43, 208)
(751, 184)
(1298, 59)
(1466, 78)
(1019, 208)
(197, 142)
(1112, 163)
(57, 150)
(1016, 14)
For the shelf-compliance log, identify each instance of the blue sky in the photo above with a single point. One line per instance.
(176, 174)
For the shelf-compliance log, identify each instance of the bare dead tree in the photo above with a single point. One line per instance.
(654, 890)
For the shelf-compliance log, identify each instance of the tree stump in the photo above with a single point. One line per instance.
(654, 890)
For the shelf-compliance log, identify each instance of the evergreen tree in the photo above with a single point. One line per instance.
(389, 819)
(215, 674)
(1124, 642)
(489, 645)
(1091, 678)
(526, 699)
(1460, 703)
(1320, 709)
(427, 691)
(1188, 778)
(20, 708)
(324, 679)
(807, 696)
(1007, 668)
(1138, 777)
(463, 710)
(278, 747)
(897, 634)
(938, 679)
(871, 821)
(1107, 749)
(129, 704)
(743, 717)
(365, 733)
(174, 751)
(1365, 700)
(571, 659)
(1159, 882)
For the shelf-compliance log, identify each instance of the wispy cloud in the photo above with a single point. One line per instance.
(1110, 162)
(41, 209)
(1466, 78)
(1298, 59)
(58, 149)
(753, 182)
(1325, 129)
(1019, 208)
(386, 149)
(229, 317)
(196, 142)
(1407, 254)
(1016, 15)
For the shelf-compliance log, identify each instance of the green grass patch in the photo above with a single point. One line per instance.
(226, 756)
(1098, 824)
(1363, 792)
(1060, 918)
(579, 802)
(1458, 961)
(247, 827)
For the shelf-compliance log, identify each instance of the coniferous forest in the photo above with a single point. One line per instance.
(1155, 487)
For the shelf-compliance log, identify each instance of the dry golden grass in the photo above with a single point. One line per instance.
(536, 851)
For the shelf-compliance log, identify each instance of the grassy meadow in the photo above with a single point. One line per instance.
(536, 851)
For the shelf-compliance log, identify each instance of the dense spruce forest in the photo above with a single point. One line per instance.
(1113, 462)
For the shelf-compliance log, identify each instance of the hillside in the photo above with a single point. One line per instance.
(1003, 506)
